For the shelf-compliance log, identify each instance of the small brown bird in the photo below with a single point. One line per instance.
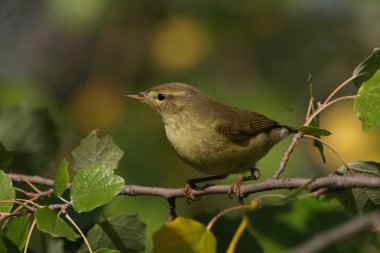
(211, 137)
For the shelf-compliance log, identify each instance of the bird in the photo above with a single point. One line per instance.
(212, 137)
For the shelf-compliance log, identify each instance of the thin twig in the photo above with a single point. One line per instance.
(21, 202)
(252, 206)
(287, 154)
(330, 147)
(31, 185)
(324, 106)
(343, 231)
(33, 179)
(22, 191)
(80, 232)
(172, 213)
(311, 102)
(29, 235)
(338, 89)
(229, 210)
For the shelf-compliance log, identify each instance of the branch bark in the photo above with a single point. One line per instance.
(330, 183)
(346, 230)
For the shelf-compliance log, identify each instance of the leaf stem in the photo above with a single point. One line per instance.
(324, 106)
(225, 211)
(29, 235)
(80, 232)
(330, 147)
(239, 231)
(338, 89)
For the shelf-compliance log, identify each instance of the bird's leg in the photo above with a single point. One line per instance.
(235, 187)
(191, 184)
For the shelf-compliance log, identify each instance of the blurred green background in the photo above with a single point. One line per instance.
(78, 58)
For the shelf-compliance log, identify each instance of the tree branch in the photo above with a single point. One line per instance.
(348, 229)
(330, 183)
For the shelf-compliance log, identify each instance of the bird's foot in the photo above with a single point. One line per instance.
(235, 189)
(255, 173)
(188, 193)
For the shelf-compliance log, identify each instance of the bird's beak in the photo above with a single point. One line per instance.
(140, 97)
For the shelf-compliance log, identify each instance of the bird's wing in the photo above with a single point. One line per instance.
(245, 124)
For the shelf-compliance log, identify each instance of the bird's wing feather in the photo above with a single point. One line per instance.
(244, 124)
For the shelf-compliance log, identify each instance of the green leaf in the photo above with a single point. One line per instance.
(61, 178)
(184, 235)
(5, 157)
(367, 103)
(31, 135)
(367, 68)
(17, 231)
(3, 248)
(359, 200)
(315, 131)
(107, 251)
(49, 222)
(125, 233)
(6, 192)
(93, 150)
(93, 187)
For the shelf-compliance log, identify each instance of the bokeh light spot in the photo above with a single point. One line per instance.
(178, 43)
(347, 137)
(99, 104)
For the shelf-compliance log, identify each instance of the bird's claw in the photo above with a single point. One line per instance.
(255, 173)
(188, 193)
(235, 189)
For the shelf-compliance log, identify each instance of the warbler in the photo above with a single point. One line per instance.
(211, 137)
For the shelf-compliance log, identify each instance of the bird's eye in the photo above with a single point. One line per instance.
(161, 97)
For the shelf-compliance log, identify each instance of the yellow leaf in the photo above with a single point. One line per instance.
(184, 235)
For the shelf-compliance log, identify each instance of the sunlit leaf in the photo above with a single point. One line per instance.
(5, 157)
(184, 235)
(125, 233)
(359, 200)
(17, 231)
(367, 103)
(7, 192)
(367, 68)
(49, 222)
(94, 149)
(93, 187)
(61, 178)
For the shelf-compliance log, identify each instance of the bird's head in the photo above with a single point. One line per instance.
(169, 99)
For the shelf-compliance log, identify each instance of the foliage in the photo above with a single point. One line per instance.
(184, 235)
(296, 217)
(367, 102)
(7, 193)
(94, 186)
(125, 233)
(360, 200)
(94, 150)
(48, 221)
(34, 141)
